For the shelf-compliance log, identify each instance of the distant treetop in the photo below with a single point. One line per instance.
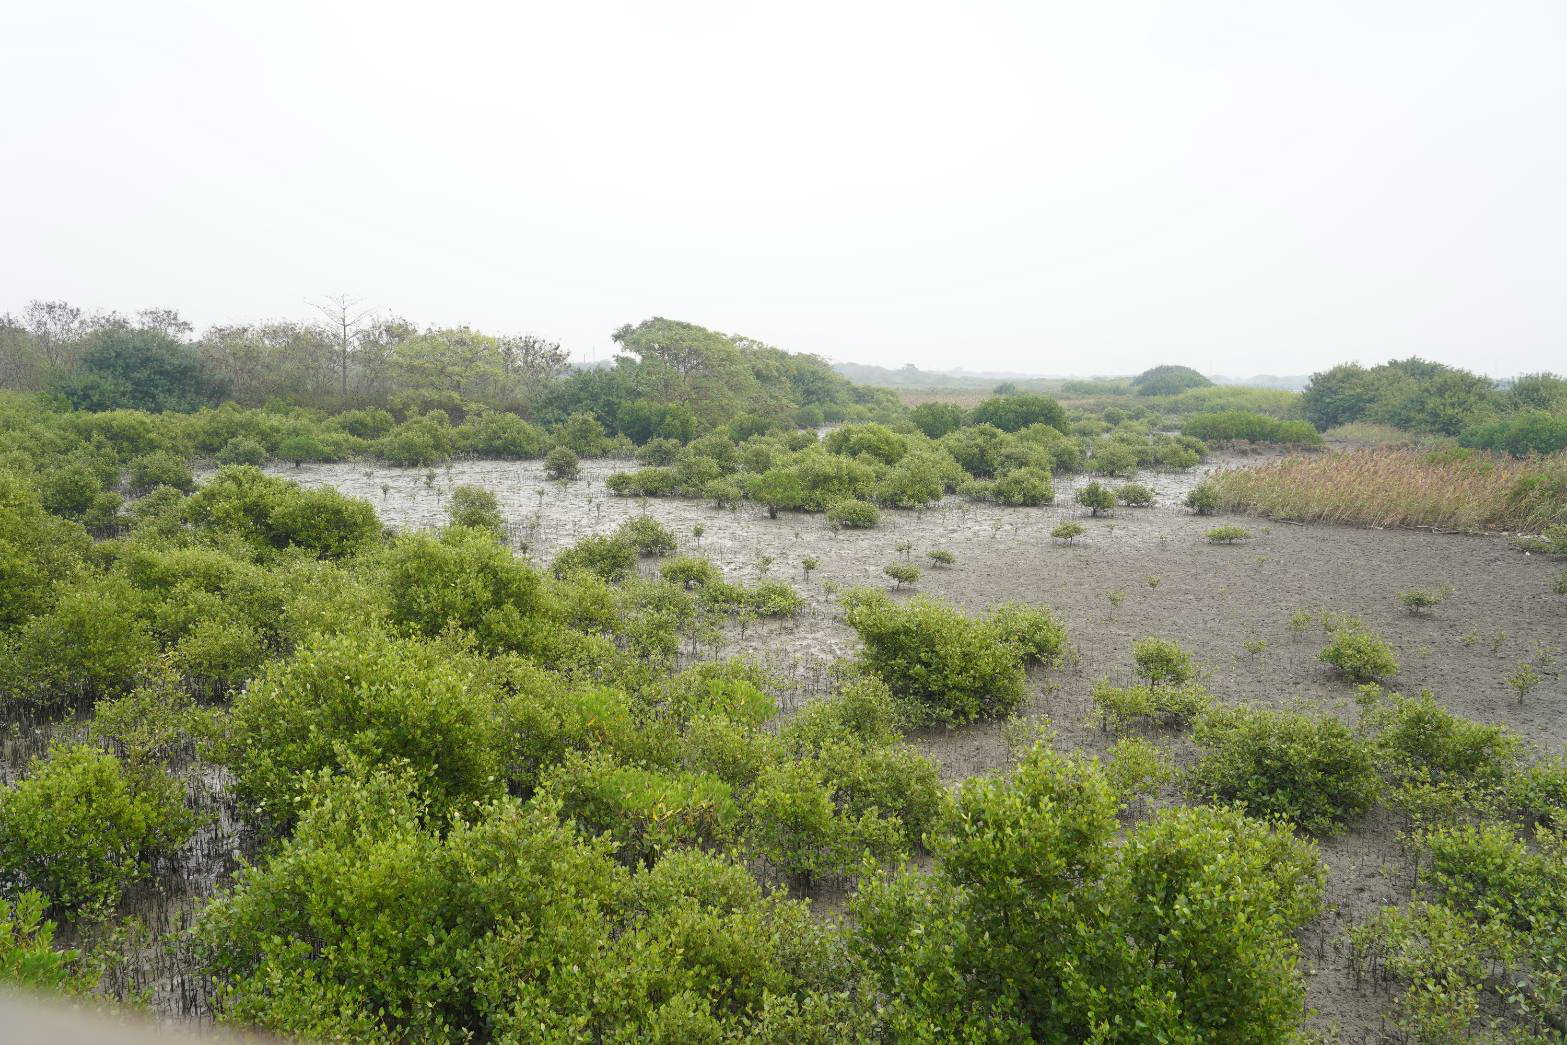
(1168, 381)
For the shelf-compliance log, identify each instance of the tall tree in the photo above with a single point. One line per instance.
(344, 316)
(689, 365)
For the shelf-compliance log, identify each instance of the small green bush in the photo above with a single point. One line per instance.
(795, 825)
(660, 452)
(1312, 770)
(645, 812)
(242, 450)
(1246, 426)
(724, 493)
(561, 464)
(1226, 535)
(1119, 708)
(463, 579)
(369, 697)
(1420, 601)
(773, 599)
(1162, 662)
(902, 573)
(28, 958)
(1096, 497)
(1034, 630)
(648, 536)
(418, 442)
(1068, 532)
(949, 667)
(1134, 495)
(301, 448)
(1187, 919)
(1023, 488)
(495, 433)
(475, 507)
(941, 557)
(1360, 655)
(645, 482)
(161, 468)
(1203, 498)
(79, 827)
(853, 514)
(689, 572)
(612, 558)
(1137, 768)
(1421, 742)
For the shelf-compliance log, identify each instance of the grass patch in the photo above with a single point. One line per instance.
(1444, 490)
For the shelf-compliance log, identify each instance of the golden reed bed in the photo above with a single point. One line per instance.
(1442, 490)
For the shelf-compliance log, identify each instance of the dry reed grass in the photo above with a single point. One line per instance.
(1446, 490)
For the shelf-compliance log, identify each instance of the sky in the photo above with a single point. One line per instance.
(1042, 187)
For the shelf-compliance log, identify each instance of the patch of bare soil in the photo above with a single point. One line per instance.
(1139, 572)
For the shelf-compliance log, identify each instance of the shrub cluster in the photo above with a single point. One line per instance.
(951, 668)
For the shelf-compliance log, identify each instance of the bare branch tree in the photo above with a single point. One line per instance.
(343, 316)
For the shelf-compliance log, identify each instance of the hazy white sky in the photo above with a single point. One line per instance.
(1048, 187)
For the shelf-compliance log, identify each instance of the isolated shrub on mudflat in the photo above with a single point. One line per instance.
(475, 507)
(1421, 601)
(1203, 498)
(1360, 655)
(1312, 770)
(853, 514)
(1118, 708)
(1162, 661)
(648, 536)
(1134, 495)
(561, 463)
(1226, 535)
(1068, 532)
(1096, 497)
(952, 668)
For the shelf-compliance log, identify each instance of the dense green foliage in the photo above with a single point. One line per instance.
(1360, 655)
(1312, 771)
(1038, 926)
(1529, 417)
(1241, 425)
(28, 958)
(1168, 380)
(948, 667)
(81, 827)
(1408, 393)
(505, 926)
